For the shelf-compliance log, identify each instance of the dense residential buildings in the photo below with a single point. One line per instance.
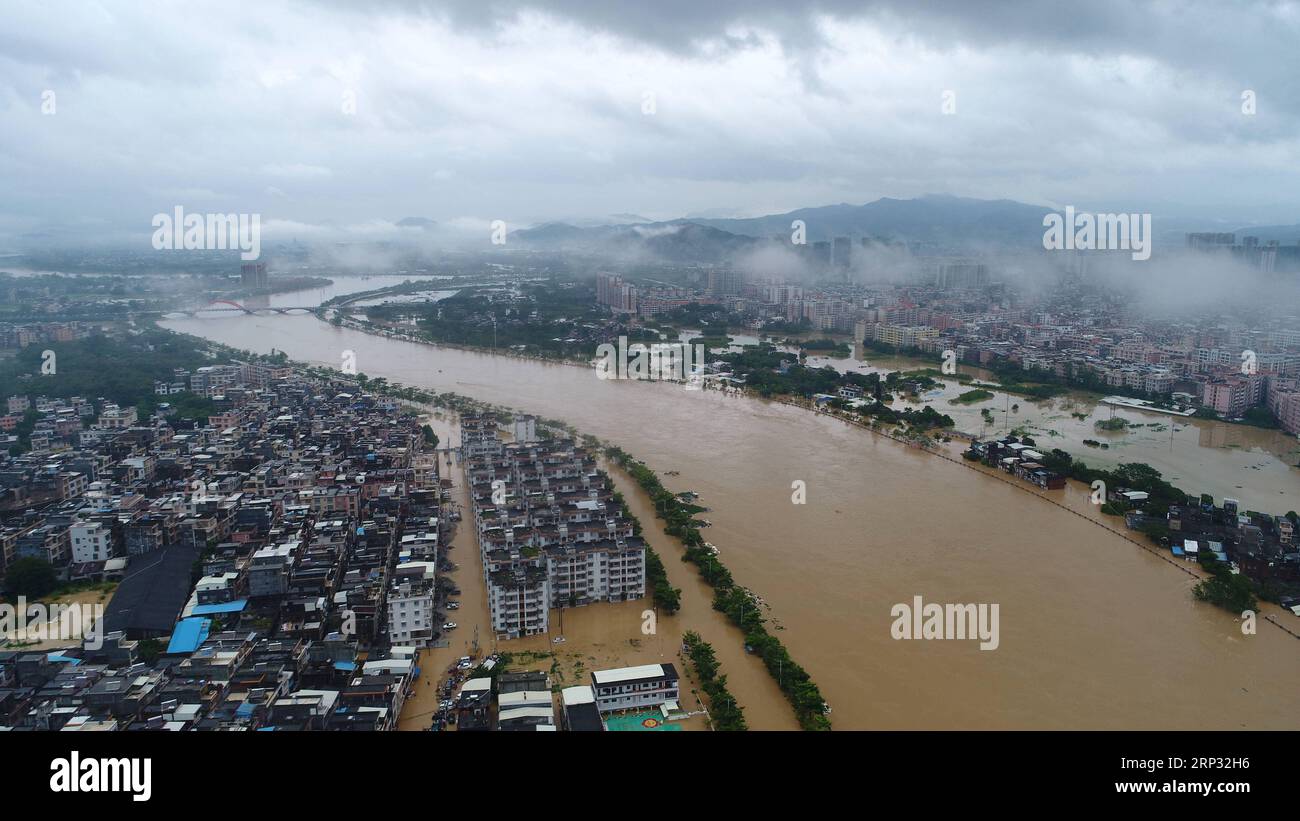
(1073, 331)
(1257, 544)
(282, 557)
(21, 336)
(613, 292)
(550, 534)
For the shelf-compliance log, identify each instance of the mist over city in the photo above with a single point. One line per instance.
(432, 366)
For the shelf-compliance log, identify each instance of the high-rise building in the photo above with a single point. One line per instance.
(961, 274)
(841, 251)
(253, 275)
(615, 293)
(725, 282)
(1210, 241)
(821, 254)
(780, 293)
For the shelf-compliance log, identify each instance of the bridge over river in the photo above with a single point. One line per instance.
(230, 306)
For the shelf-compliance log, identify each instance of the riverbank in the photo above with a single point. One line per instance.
(919, 439)
(1084, 615)
(924, 442)
(1178, 451)
(597, 636)
(1275, 614)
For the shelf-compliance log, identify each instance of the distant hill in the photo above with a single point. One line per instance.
(1283, 234)
(560, 232)
(669, 241)
(933, 222)
(416, 222)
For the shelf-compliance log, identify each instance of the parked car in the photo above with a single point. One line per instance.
(453, 605)
(451, 625)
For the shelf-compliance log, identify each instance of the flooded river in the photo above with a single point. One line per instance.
(1094, 632)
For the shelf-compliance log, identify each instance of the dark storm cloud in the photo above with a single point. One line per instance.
(471, 111)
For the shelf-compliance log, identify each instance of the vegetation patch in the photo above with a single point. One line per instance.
(723, 709)
(739, 604)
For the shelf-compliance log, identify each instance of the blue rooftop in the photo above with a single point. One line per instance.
(235, 606)
(188, 635)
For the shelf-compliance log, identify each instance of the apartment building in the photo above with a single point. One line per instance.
(613, 292)
(147, 532)
(549, 534)
(411, 605)
(635, 688)
(117, 418)
(1284, 402)
(91, 542)
(519, 596)
(49, 542)
(1234, 395)
(607, 570)
(269, 570)
(907, 336)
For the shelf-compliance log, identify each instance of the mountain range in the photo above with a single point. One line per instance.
(932, 222)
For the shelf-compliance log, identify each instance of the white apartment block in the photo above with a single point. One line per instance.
(410, 604)
(597, 571)
(91, 542)
(519, 596)
(548, 534)
(410, 614)
(635, 688)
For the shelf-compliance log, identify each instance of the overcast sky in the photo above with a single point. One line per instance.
(469, 112)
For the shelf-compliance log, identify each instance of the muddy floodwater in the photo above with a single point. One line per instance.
(1094, 632)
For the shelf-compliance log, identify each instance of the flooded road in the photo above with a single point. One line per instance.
(1095, 632)
(595, 637)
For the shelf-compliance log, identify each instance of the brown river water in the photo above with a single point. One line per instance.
(1094, 632)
